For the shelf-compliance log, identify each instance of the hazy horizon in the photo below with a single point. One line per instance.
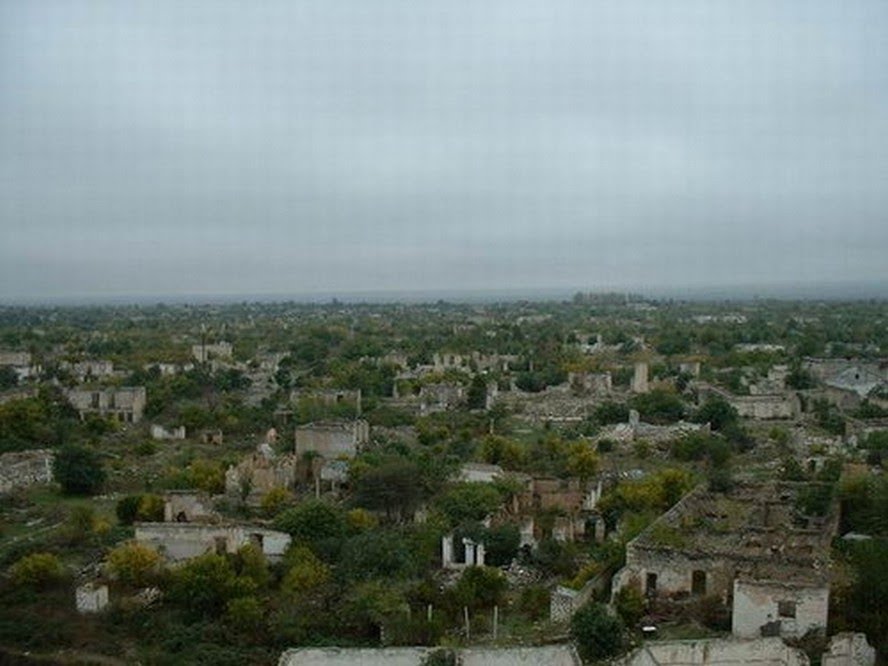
(232, 148)
(846, 291)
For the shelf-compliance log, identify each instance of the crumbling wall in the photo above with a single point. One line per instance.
(765, 407)
(260, 475)
(674, 571)
(849, 649)
(182, 541)
(762, 652)
(787, 609)
(21, 469)
(331, 440)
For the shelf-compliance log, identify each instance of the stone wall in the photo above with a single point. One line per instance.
(126, 403)
(564, 601)
(261, 474)
(182, 541)
(91, 598)
(188, 507)
(849, 649)
(779, 406)
(21, 469)
(332, 439)
(674, 572)
(786, 609)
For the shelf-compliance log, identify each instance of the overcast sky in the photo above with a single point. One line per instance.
(169, 147)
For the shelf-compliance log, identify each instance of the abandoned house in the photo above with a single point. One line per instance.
(750, 547)
(126, 403)
(21, 363)
(205, 352)
(348, 400)
(332, 439)
(90, 369)
(20, 469)
(783, 405)
(183, 541)
(590, 383)
(479, 472)
(847, 389)
(259, 473)
(636, 429)
(440, 397)
(186, 506)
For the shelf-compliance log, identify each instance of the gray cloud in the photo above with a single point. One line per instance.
(236, 147)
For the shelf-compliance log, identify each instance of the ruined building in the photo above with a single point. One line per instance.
(126, 404)
(332, 439)
(751, 548)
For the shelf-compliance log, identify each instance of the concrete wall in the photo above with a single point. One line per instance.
(91, 598)
(761, 652)
(551, 655)
(758, 603)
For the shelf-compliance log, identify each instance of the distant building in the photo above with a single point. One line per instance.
(183, 541)
(21, 363)
(126, 404)
(331, 439)
(207, 352)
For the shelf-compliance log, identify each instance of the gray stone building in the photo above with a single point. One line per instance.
(126, 404)
(750, 547)
(332, 439)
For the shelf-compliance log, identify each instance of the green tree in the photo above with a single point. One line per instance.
(501, 544)
(629, 604)
(597, 633)
(469, 502)
(305, 572)
(391, 487)
(480, 587)
(78, 470)
(717, 412)
(611, 412)
(316, 524)
(206, 584)
(476, 396)
(582, 461)
(377, 554)
(659, 406)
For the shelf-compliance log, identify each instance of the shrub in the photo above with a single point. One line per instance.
(597, 633)
(206, 584)
(629, 604)
(306, 572)
(534, 602)
(39, 570)
(134, 564)
(480, 587)
(127, 509)
(245, 614)
(606, 445)
(274, 501)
